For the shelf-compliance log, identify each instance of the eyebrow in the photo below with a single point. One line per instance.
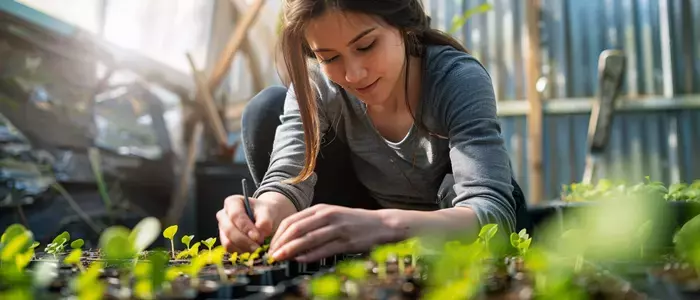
(355, 39)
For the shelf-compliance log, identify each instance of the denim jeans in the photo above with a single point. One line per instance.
(337, 183)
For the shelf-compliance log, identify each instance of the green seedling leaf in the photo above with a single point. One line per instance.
(34, 245)
(687, 243)
(169, 233)
(23, 259)
(326, 286)
(15, 246)
(62, 238)
(144, 233)
(217, 255)
(233, 258)
(116, 245)
(355, 270)
(11, 232)
(73, 257)
(186, 239)
(488, 232)
(209, 242)
(514, 240)
(77, 244)
(159, 262)
(194, 250)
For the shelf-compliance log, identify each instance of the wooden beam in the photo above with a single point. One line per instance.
(234, 43)
(534, 116)
(210, 111)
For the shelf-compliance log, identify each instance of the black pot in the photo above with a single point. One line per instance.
(235, 289)
(268, 277)
(214, 182)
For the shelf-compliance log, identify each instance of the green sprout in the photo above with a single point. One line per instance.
(352, 269)
(217, 258)
(57, 246)
(73, 258)
(326, 286)
(16, 248)
(687, 244)
(521, 241)
(191, 252)
(151, 275)
(169, 233)
(233, 258)
(186, 239)
(209, 242)
(88, 284)
(77, 244)
(380, 255)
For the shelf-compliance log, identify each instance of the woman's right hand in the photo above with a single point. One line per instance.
(238, 233)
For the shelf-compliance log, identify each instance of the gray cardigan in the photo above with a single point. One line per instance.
(457, 101)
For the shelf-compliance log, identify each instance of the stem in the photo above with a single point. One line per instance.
(381, 270)
(172, 248)
(413, 260)
(222, 274)
(402, 265)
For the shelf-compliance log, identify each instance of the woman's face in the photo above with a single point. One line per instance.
(359, 52)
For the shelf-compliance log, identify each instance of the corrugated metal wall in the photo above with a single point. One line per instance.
(573, 34)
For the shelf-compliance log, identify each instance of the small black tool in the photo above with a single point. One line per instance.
(246, 201)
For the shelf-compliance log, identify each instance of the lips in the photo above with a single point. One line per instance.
(368, 88)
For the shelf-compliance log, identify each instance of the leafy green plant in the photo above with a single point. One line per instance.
(209, 243)
(186, 239)
(88, 285)
(521, 241)
(217, 259)
(74, 258)
(57, 246)
(16, 249)
(190, 252)
(169, 233)
(352, 269)
(687, 243)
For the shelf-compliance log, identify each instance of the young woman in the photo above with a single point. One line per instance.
(388, 130)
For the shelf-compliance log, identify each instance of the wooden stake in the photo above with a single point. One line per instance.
(534, 116)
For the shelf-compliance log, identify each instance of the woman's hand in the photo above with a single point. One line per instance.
(238, 233)
(324, 230)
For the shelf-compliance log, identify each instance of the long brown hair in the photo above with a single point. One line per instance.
(406, 15)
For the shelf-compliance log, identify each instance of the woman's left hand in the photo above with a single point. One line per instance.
(324, 230)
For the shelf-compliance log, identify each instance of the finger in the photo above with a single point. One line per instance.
(225, 225)
(234, 235)
(334, 247)
(293, 219)
(263, 222)
(299, 229)
(312, 240)
(235, 209)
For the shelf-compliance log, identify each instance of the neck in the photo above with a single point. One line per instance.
(397, 99)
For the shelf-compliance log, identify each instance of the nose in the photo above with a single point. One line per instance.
(355, 71)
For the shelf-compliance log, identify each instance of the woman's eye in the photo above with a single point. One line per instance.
(366, 47)
(325, 61)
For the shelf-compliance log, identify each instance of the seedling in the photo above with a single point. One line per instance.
(73, 258)
(88, 285)
(191, 252)
(209, 242)
(169, 233)
(186, 239)
(380, 256)
(326, 286)
(233, 258)
(217, 258)
(521, 241)
(150, 275)
(352, 269)
(57, 246)
(77, 244)
(687, 244)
